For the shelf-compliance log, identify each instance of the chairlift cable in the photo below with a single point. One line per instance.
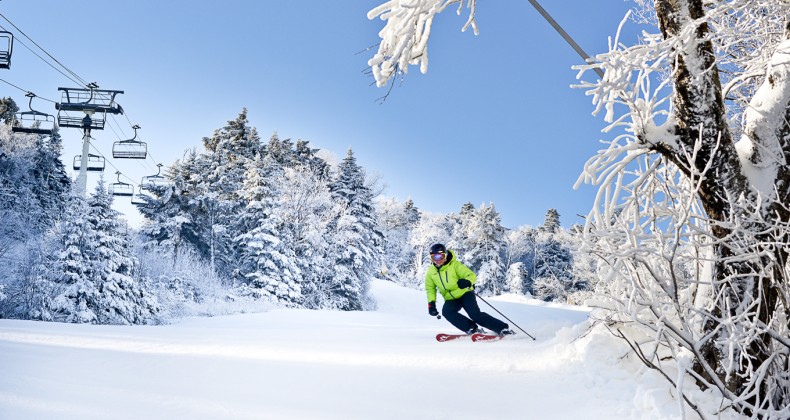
(81, 81)
(43, 59)
(109, 162)
(13, 85)
(576, 47)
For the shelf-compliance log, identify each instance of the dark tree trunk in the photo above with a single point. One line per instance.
(701, 117)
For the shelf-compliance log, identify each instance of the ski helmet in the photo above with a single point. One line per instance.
(438, 249)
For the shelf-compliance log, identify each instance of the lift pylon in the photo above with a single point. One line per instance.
(94, 103)
(33, 121)
(6, 48)
(130, 149)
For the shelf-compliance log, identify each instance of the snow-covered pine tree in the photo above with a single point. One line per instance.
(521, 248)
(76, 290)
(356, 239)
(430, 229)
(8, 109)
(552, 277)
(397, 220)
(33, 187)
(267, 263)
(171, 212)
(517, 279)
(552, 222)
(98, 286)
(229, 152)
(486, 248)
(306, 211)
(51, 184)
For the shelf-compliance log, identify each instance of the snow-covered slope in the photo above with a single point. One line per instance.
(299, 364)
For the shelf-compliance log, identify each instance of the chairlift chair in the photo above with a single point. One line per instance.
(33, 121)
(157, 180)
(95, 163)
(6, 48)
(130, 149)
(140, 199)
(121, 188)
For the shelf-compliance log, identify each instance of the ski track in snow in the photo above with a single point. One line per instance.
(300, 364)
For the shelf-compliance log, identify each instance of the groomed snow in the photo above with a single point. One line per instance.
(300, 364)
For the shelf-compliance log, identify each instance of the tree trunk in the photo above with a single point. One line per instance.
(701, 117)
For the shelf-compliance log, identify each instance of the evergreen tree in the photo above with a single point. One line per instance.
(552, 221)
(397, 221)
(552, 278)
(76, 292)
(356, 238)
(306, 212)
(485, 240)
(50, 183)
(521, 246)
(517, 279)
(267, 262)
(7, 110)
(97, 261)
(170, 212)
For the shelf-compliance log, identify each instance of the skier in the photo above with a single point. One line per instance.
(455, 282)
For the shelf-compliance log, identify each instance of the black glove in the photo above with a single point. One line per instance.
(464, 284)
(432, 309)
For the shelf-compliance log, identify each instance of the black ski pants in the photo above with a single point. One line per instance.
(468, 302)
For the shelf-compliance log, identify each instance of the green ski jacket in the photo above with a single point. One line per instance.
(445, 278)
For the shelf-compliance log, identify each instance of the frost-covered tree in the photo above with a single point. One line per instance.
(356, 239)
(267, 263)
(552, 278)
(521, 251)
(397, 221)
(8, 108)
(430, 229)
(97, 284)
(552, 222)
(700, 108)
(75, 287)
(306, 212)
(517, 279)
(485, 248)
(404, 39)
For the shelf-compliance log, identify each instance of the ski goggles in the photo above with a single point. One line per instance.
(438, 257)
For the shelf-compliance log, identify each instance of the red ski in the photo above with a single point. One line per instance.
(486, 337)
(447, 337)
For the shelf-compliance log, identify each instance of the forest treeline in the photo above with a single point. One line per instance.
(244, 224)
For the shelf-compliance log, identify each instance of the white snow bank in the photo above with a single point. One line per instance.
(300, 364)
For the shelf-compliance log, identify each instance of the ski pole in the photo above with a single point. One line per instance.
(503, 315)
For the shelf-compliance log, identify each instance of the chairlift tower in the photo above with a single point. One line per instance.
(94, 104)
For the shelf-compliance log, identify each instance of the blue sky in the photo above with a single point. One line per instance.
(493, 120)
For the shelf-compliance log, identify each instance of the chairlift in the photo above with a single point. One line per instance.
(130, 149)
(94, 103)
(121, 188)
(95, 163)
(6, 47)
(33, 121)
(157, 180)
(140, 199)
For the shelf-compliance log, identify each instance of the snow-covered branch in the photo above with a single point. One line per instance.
(404, 38)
